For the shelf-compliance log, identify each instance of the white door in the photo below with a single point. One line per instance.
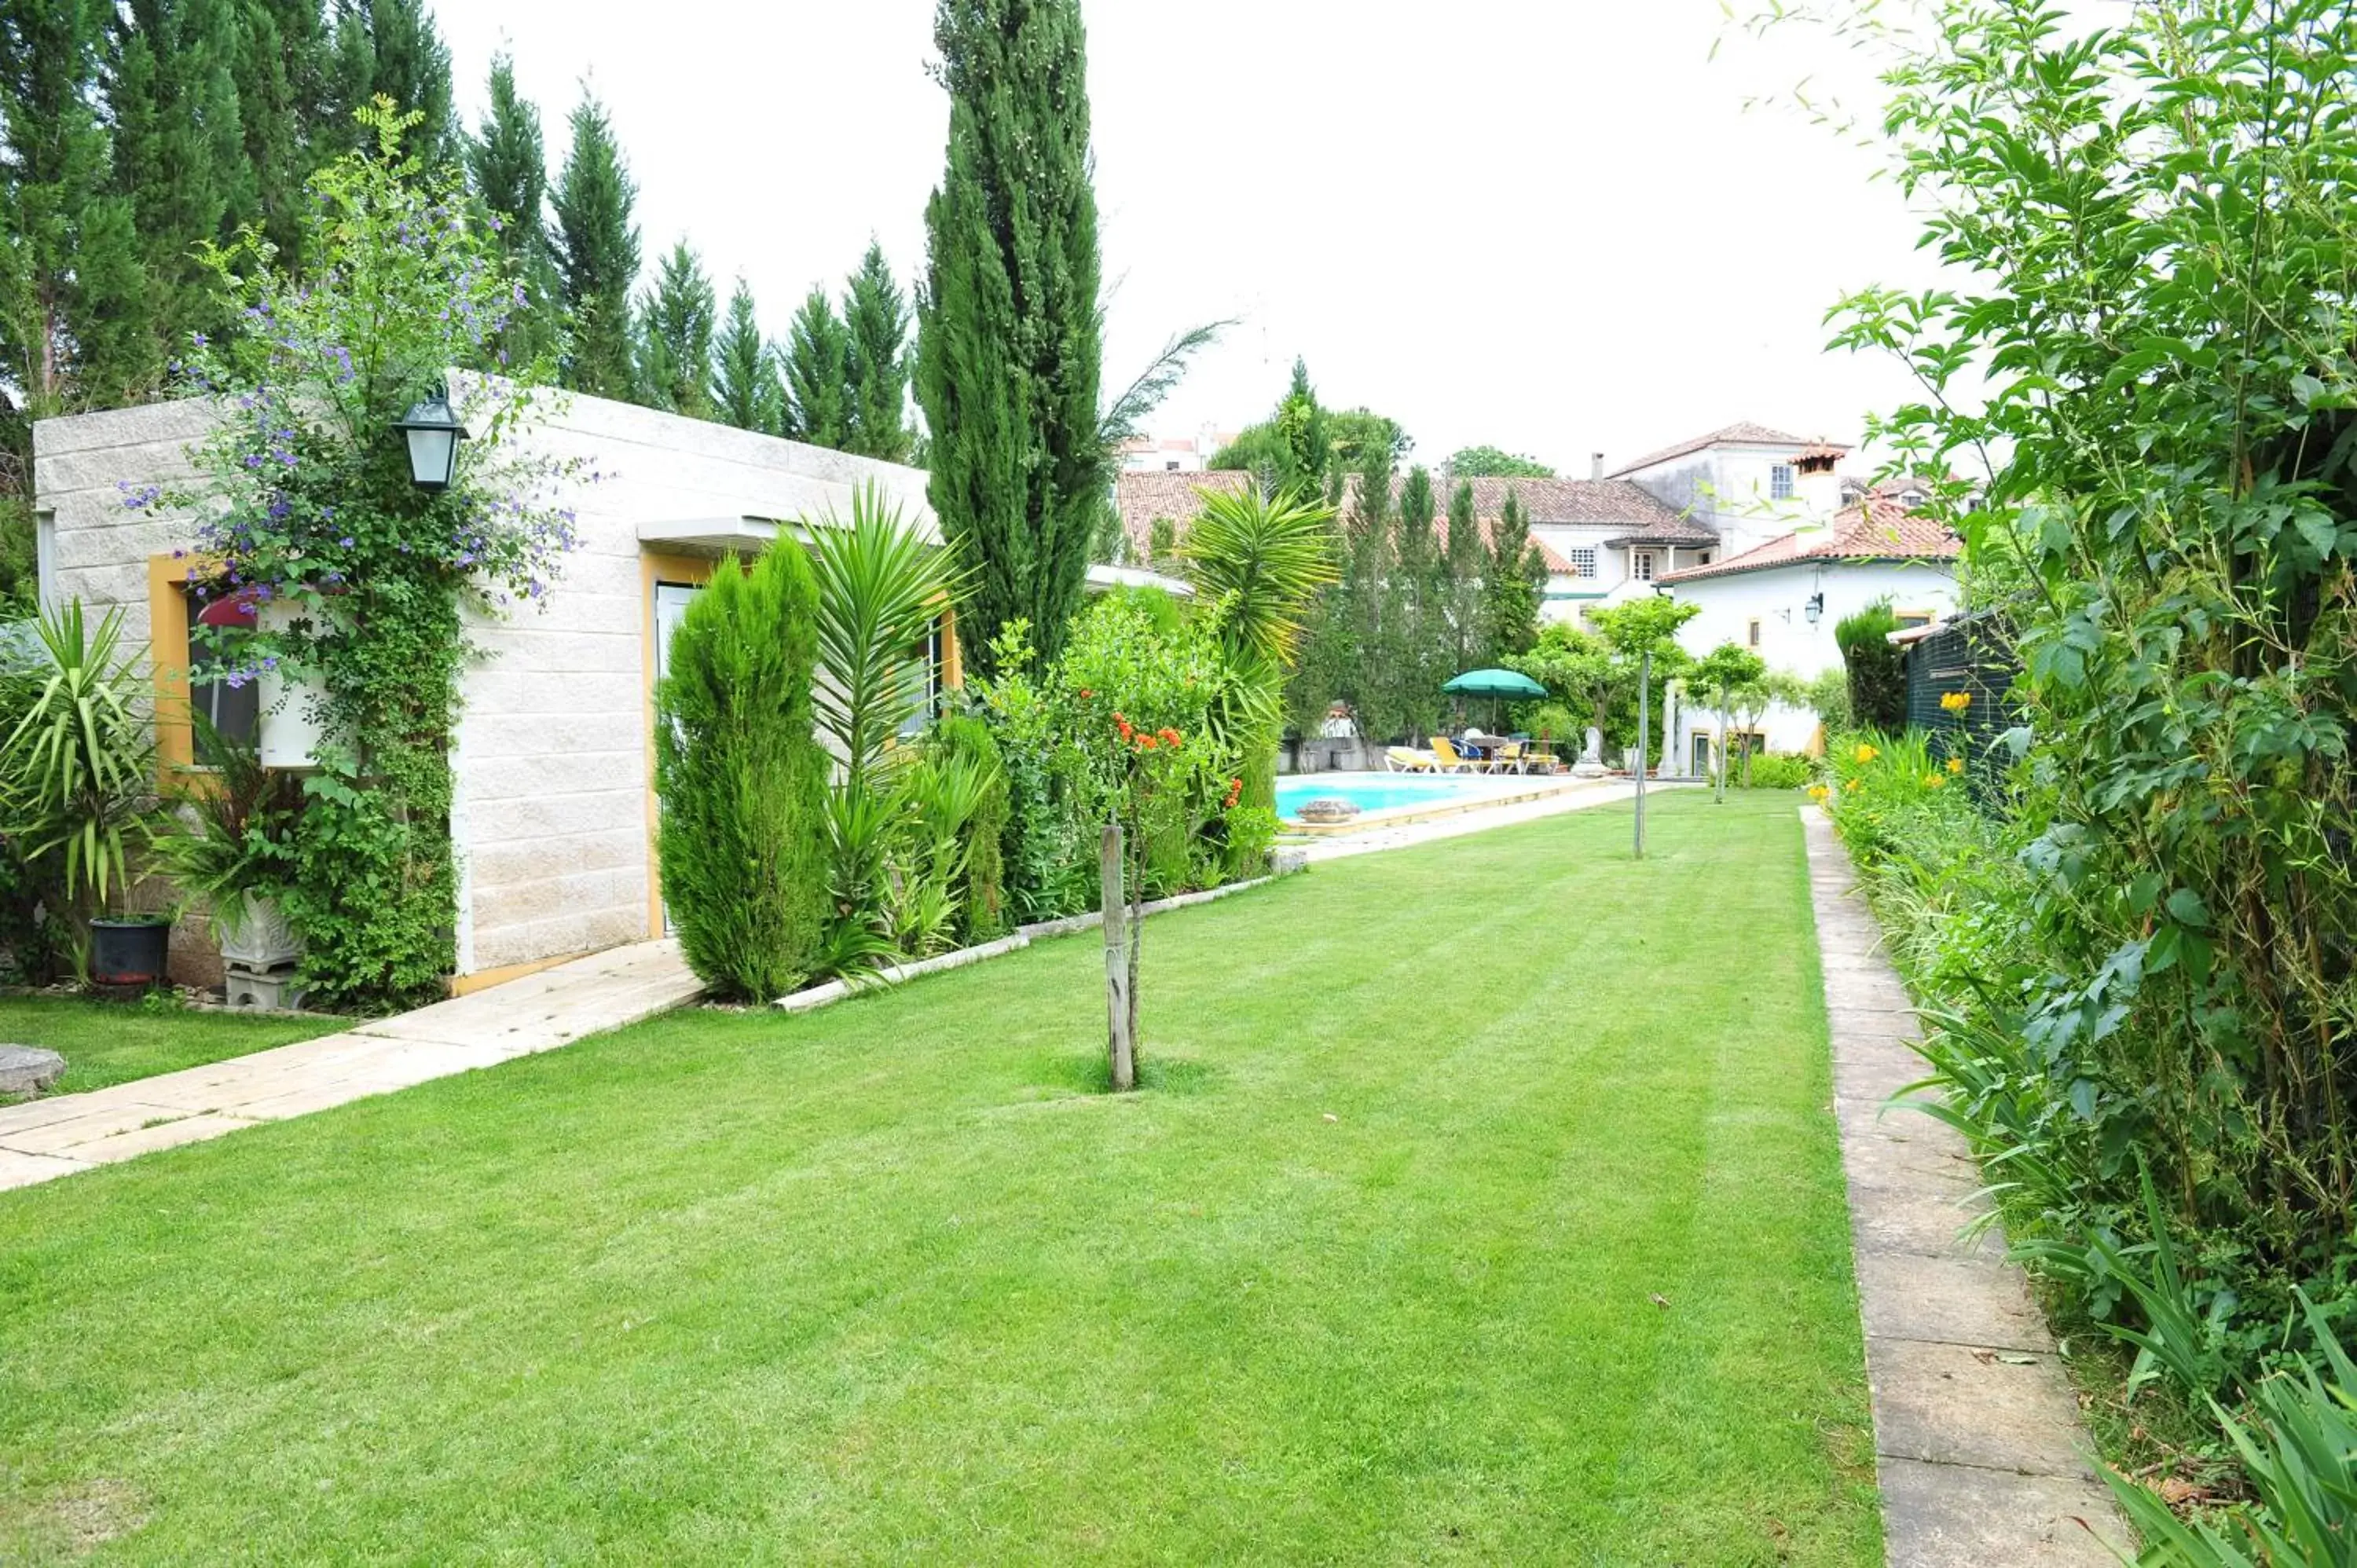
(671, 600)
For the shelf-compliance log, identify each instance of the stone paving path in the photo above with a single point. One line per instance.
(44, 1139)
(1976, 1436)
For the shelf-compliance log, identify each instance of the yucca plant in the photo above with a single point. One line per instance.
(77, 774)
(882, 584)
(1257, 562)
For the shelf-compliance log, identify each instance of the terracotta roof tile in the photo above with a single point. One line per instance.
(1140, 497)
(1878, 530)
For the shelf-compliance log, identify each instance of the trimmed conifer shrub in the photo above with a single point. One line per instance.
(742, 778)
(1877, 675)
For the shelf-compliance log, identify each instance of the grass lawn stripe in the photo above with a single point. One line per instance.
(888, 1282)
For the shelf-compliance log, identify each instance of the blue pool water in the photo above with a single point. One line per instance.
(1373, 791)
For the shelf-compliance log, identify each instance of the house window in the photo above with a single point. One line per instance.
(927, 682)
(1912, 499)
(1583, 561)
(1780, 482)
(1640, 565)
(1171, 466)
(1908, 619)
(1754, 637)
(1704, 559)
(218, 626)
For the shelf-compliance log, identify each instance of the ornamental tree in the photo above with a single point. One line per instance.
(307, 515)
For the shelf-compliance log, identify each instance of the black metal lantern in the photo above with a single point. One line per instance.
(1815, 608)
(433, 431)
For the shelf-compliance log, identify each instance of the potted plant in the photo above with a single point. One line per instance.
(78, 776)
(237, 849)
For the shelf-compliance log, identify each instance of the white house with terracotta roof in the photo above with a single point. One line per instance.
(1782, 597)
(1602, 540)
(1743, 484)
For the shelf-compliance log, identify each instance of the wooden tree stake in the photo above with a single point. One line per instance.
(1119, 1045)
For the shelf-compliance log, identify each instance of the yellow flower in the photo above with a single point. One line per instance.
(1955, 765)
(1956, 702)
(1935, 781)
(1853, 786)
(1818, 792)
(1865, 753)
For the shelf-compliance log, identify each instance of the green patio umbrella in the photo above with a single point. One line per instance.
(1496, 685)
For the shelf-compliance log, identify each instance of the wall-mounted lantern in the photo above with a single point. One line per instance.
(1815, 608)
(434, 433)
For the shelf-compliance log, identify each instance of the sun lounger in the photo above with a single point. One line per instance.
(1407, 760)
(1451, 760)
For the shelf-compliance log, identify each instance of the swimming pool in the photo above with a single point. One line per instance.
(1389, 793)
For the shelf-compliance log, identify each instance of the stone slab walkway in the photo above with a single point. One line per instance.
(41, 1140)
(1977, 1442)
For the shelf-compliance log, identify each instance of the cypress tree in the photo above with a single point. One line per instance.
(677, 322)
(743, 836)
(1513, 585)
(390, 48)
(875, 318)
(1304, 452)
(507, 167)
(1419, 646)
(75, 329)
(1468, 561)
(746, 390)
(596, 255)
(1372, 585)
(818, 373)
(280, 70)
(1009, 354)
(179, 154)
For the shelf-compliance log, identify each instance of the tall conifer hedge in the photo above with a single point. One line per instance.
(742, 779)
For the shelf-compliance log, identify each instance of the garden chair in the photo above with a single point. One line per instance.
(1508, 757)
(1450, 760)
(1407, 760)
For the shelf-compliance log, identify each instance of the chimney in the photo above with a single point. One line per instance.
(1596, 465)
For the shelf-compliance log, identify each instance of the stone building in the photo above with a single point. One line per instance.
(554, 808)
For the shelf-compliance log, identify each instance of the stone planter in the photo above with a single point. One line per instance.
(253, 934)
(1327, 811)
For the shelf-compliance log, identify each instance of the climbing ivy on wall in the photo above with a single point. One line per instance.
(361, 582)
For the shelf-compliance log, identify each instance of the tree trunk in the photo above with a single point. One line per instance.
(1121, 1009)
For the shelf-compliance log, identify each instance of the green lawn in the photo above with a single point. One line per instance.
(115, 1042)
(1369, 1276)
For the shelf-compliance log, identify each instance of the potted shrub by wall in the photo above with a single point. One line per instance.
(235, 852)
(78, 776)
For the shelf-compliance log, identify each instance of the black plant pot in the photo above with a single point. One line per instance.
(129, 955)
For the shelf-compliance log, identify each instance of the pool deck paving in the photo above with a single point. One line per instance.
(1978, 1445)
(41, 1140)
(1577, 796)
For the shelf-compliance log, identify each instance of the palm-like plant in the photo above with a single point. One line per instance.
(78, 770)
(1259, 560)
(880, 585)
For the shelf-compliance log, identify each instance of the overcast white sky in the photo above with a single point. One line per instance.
(1553, 226)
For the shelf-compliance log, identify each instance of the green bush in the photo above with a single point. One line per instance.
(982, 892)
(1775, 770)
(743, 779)
(1877, 675)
